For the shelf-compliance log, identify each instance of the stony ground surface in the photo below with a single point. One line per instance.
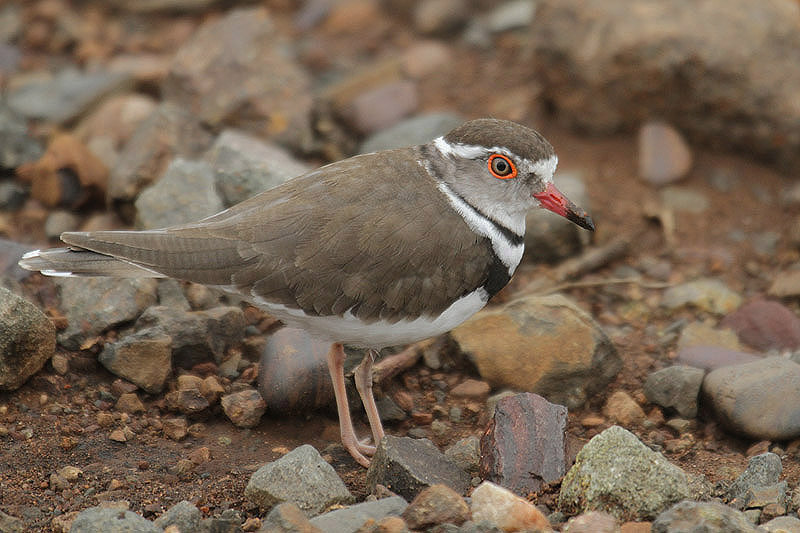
(739, 236)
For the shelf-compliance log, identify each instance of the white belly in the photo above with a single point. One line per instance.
(348, 329)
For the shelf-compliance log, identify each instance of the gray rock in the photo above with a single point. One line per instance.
(783, 524)
(406, 466)
(168, 132)
(245, 165)
(676, 387)
(27, 340)
(11, 524)
(520, 346)
(184, 193)
(287, 518)
(708, 294)
(762, 470)
(196, 335)
(170, 294)
(143, 358)
(437, 504)
(664, 156)
(610, 474)
(592, 522)
(12, 194)
(264, 91)
(301, 477)
(389, 411)
(104, 520)
(230, 521)
(465, 453)
(708, 517)
(67, 95)
(350, 519)
(16, 144)
(590, 58)
(524, 468)
(759, 399)
(185, 515)
(411, 132)
(244, 408)
(549, 237)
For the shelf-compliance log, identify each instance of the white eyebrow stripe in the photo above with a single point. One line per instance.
(544, 168)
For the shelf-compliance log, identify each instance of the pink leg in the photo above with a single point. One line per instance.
(336, 369)
(363, 378)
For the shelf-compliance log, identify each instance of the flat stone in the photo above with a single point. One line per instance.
(785, 284)
(675, 387)
(610, 471)
(530, 419)
(301, 477)
(27, 340)
(93, 305)
(244, 408)
(437, 504)
(189, 402)
(702, 516)
(783, 524)
(142, 358)
(713, 357)
(406, 466)
(760, 399)
(412, 131)
(17, 145)
(501, 508)
(664, 156)
(245, 165)
(471, 388)
(705, 334)
(103, 520)
(67, 95)
(592, 522)
(185, 192)
(351, 519)
(765, 325)
(383, 106)
(684, 199)
(705, 294)
(263, 91)
(545, 345)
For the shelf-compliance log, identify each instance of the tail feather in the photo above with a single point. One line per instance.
(65, 262)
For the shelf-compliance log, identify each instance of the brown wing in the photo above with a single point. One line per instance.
(343, 237)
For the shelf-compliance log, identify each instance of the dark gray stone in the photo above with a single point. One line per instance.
(676, 387)
(708, 517)
(197, 336)
(466, 454)
(93, 305)
(102, 520)
(762, 470)
(184, 193)
(301, 477)
(245, 165)
(350, 519)
(406, 466)
(16, 144)
(524, 445)
(27, 340)
(287, 518)
(609, 473)
(183, 514)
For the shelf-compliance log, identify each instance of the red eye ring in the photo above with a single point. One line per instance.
(502, 167)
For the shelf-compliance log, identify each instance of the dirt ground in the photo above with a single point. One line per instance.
(51, 421)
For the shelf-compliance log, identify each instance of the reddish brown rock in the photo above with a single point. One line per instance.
(523, 448)
(765, 325)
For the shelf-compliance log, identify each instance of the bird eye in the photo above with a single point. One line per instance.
(502, 167)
